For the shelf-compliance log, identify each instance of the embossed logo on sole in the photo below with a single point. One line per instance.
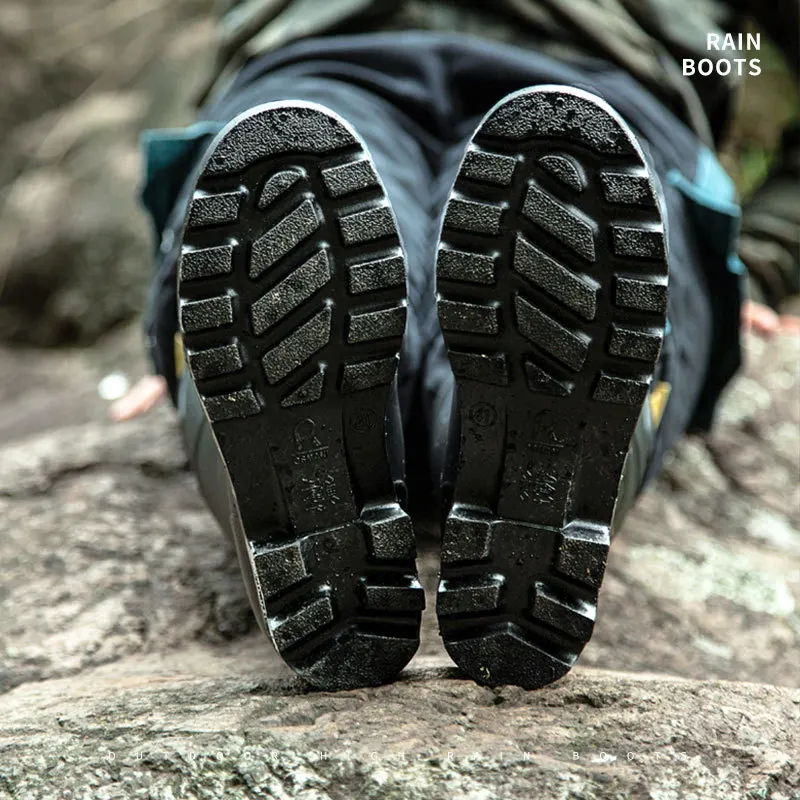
(538, 485)
(364, 420)
(484, 415)
(307, 445)
(319, 492)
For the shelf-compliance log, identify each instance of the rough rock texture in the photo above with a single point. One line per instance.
(210, 723)
(78, 80)
(129, 665)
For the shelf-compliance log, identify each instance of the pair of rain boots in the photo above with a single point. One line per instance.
(552, 298)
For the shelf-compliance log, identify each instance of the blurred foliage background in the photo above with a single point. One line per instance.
(767, 104)
(79, 79)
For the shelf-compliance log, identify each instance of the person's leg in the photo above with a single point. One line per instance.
(437, 383)
(291, 295)
(680, 377)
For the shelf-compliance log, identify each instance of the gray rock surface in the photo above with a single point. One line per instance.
(130, 666)
(213, 723)
(79, 79)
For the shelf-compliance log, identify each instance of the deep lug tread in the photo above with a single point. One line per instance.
(620, 390)
(364, 375)
(467, 536)
(469, 317)
(349, 178)
(368, 226)
(290, 293)
(295, 378)
(480, 165)
(470, 596)
(552, 337)
(506, 654)
(374, 276)
(567, 169)
(206, 262)
(563, 222)
(216, 361)
(579, 294)
(456, 265)
(575, 618)
(234, 405)
(473, 216)
(215, 209)
(627, 188)
(280, 240)
(541, 381)
(633, 241)
(303, 623)
(640, 294)
(374, 325)
(638, 343)
(582, 552)
(296, 349)
(573, 262)
(277, 185)
(390, 534)
(484, 367)
(279, 567)
(407, 598)
(309, 391)
(211, 313)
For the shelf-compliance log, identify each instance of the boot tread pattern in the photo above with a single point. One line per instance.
(552, 291)
(292, 308)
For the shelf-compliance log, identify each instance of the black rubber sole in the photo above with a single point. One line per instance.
(292, 307)
(552, 280)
